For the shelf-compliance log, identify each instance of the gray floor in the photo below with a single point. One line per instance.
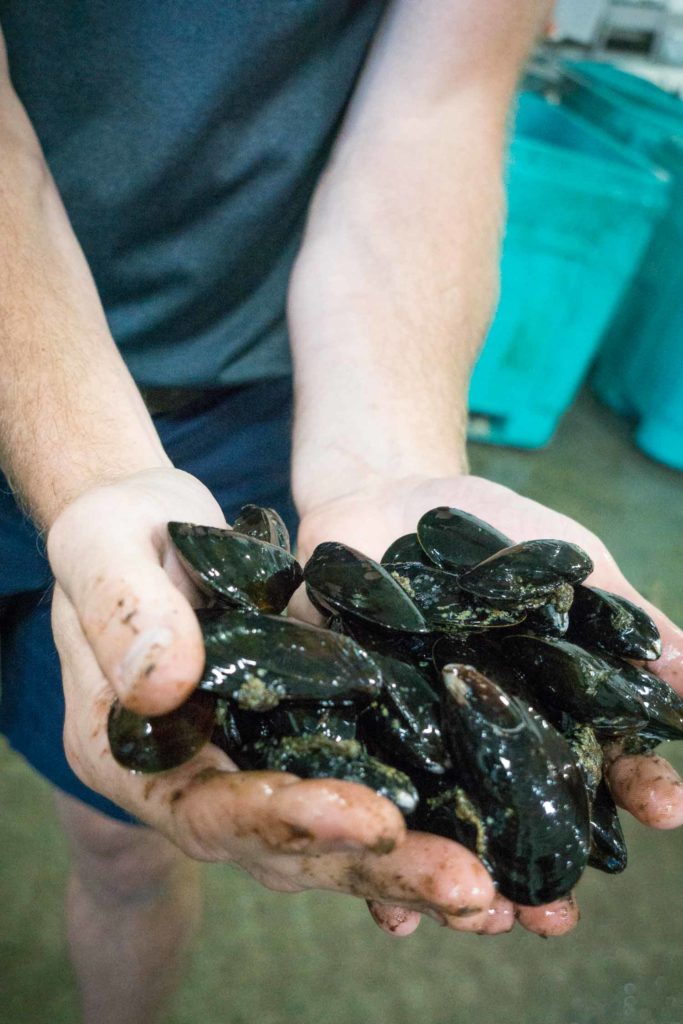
(272, 959)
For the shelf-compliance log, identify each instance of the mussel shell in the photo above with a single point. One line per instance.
(521, 775)
(260, 660)
(560, 677)
(336, 722)
(587, 754)
(402, 725)
(405, 549)
(454, 814)
(157, 743)
(446, 607)
(235, 569)
(477, 650)
(663, 706)
(264, 524)
(413, 648)
(547, 620)
(530, 574)
(613, 624)
(608, 846)
(457, 540)
(316, 757)
(344, 581)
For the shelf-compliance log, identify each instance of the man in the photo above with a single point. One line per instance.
(189, 142)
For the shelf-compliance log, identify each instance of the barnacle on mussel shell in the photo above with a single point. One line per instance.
(467, 678)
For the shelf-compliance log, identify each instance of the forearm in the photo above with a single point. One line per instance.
(389, 303)
(70, 414)
(397, 277)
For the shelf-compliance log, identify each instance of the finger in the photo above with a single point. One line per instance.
(646, 786)
(206, 807)
(395, 921)
(552, 919)
(144, 634)
(425, 873)
(498, 919)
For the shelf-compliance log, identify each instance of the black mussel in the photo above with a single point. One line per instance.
(159, 742)
(413, 648)
(336, 722)
(608, 846)
(457, 540)
(477, 650)
(587, 754)
(260, 660)
(451, 813)
(236, 569)
(264, 524)
(561, 678)
(530, 574)
(663, 706)
(226, 734)
(520, 775)
(402, 725)
(446, 607)
(547, 620)
(316, 757)
(405, 549)
(343, 581)
(612, 624)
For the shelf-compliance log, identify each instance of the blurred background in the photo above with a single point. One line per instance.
(578, 398)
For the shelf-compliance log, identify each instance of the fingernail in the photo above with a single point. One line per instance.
(143, 654)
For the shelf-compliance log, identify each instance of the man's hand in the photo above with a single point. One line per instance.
(124, 625)
(648, 787)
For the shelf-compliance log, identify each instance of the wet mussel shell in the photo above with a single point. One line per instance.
(261, 660)
(530, 574)
(663, 706)
(317, 757)
(457, 540)
(263, 524)
(613, 624)
(235, 569)
(405, 549)
(561, 678)
(448, 608)
(403, 723)
(343, 581)
(524, 785)
(608, 846)
(157, 743)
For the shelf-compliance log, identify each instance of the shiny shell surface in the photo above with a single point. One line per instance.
(457, 540)
(236, 569)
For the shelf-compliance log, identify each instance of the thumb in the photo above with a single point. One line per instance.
(139, 625)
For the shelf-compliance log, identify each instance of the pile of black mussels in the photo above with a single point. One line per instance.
(470, 680)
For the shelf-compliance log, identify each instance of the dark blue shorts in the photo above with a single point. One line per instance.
(236, 442)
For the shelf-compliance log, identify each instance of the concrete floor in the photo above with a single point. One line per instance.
(270, 959)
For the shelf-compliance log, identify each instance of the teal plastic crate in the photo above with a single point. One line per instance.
(639, 372)
(581, 209)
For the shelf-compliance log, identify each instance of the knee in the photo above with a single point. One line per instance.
(120, 863)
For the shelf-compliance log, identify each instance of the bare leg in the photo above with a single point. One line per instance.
(133, 906)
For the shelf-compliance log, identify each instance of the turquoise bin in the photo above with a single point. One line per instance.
(581, 209)
(639, 372)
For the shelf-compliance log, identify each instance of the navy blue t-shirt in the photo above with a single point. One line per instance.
(186, 137)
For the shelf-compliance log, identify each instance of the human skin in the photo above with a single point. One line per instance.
(390, 299)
